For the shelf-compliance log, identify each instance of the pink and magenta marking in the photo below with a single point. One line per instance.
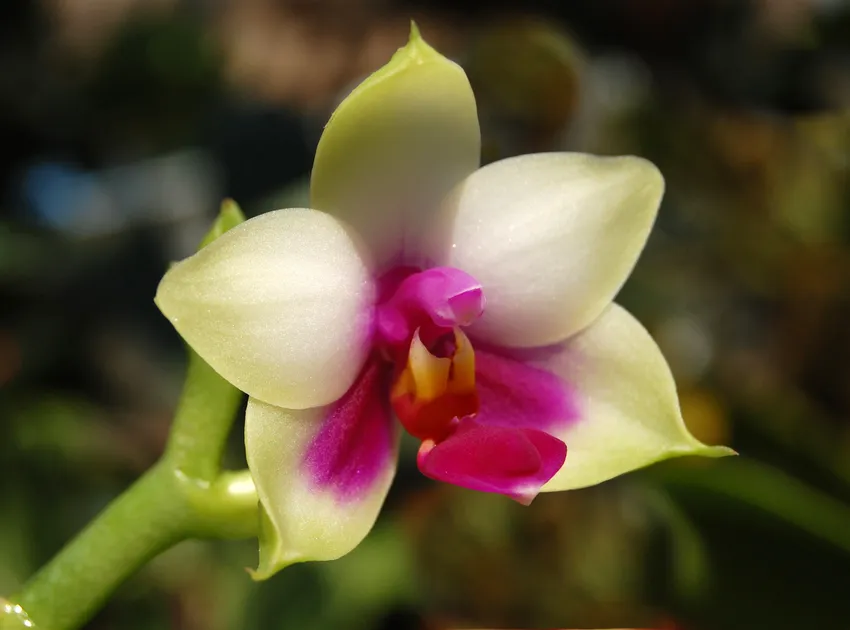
(507, 447)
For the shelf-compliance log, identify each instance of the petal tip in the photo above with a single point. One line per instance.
(641, 174)
(264, 571)
(258, 574)
(415, 35)
(274, 554)
(163, 291)
(715, 452)
(654, 182)
(524, 499)
(417, 50)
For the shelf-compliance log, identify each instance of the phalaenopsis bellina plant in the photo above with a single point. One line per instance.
(471, 307)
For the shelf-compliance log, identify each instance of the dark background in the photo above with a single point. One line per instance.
(124, 123)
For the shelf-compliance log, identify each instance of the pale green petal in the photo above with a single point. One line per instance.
(400, 141)
(280, 306)
(551, 238)
(303, 520)
(629, 410)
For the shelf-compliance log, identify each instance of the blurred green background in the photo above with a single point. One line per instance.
(125, 122)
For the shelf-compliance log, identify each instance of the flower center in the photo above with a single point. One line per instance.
(420, 317)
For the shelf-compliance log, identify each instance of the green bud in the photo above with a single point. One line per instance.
(229, 217)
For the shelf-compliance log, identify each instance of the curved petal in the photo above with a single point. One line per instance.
(551, 238)
(628, 410)
(395, 146)
(279, 306)
(321, 474)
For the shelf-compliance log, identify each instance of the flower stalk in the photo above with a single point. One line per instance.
(185, 495)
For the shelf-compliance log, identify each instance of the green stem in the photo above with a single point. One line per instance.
(225, 508)
(147, 519)
(202, 422)
(182, 496)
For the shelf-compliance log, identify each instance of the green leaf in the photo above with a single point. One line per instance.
(767, 489)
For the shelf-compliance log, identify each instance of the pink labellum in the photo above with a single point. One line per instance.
(510, 461)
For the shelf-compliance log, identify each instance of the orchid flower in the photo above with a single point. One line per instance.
(471, 307)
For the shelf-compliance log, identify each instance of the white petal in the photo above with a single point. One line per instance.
(321, 493)
(551, 237)
(396, 146)
(629, 413)
(279, 306)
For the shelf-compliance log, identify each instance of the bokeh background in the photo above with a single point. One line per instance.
(125, 122)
